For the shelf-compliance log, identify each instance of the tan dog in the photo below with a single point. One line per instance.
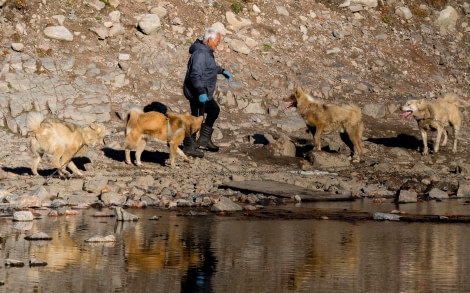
(169, 129)
(435, 115)
(325, 118)
(62, 139)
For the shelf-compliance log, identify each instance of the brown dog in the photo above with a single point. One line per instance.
(62, 139)
(170, 129)
(325, 118)
(435, 115)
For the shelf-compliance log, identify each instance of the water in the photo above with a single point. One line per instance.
(231, 254)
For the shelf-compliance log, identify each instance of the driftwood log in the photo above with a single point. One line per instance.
(348, 215)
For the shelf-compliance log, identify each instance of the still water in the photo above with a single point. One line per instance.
(230, 254)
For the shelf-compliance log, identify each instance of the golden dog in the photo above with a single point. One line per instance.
(435, 115)
(170, 129)
(325, 118)
(62, 139)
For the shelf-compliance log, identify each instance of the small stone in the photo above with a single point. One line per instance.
(109, 238)
(53, 213)
(71, 213)
(13, 263)
(23, 216)
(36, 262)
(18, 47)
(38, 236)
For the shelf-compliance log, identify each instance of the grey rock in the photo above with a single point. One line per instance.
(23, 216)
(438, 194)
(96, 4)
(13, 263)
(96, 184)
(58, 33)
(404, 12)
(386, 216)
(122, 215)
(225, 205)
(36, 262)
(113, 198)
(464, 188)
(406, 196)
(38, 236)
(148, 23)
(99, 238)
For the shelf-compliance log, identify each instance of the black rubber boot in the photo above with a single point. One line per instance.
(205, 139)
(188, 147)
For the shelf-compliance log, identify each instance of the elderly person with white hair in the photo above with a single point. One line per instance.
(199, 85)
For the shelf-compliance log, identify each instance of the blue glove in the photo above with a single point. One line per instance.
(227, 75)
(203, 98)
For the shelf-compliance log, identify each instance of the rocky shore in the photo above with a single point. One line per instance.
(89, 62)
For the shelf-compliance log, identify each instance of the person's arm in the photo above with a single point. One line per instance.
(197, 71)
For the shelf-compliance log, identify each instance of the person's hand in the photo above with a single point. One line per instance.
(227, 75)
(203, 98)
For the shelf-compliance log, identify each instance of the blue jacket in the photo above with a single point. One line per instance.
(201, 74)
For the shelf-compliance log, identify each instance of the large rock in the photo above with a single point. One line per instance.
(239, 46)
(406, 196)
(122, 215)
(225, 205)
(324, 160)
(23, 216)
(237, 23)
(148, 23)
(447, 20)
(404, 12)
(464, 188)
(58, 33)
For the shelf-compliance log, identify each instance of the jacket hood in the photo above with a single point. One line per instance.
(198, 45)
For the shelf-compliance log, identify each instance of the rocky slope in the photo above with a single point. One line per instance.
(87, 61)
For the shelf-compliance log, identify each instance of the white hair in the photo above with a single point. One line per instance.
(211, 32)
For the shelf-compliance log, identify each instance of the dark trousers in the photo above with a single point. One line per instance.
(211, 108)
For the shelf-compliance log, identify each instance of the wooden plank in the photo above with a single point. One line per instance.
(284, 190)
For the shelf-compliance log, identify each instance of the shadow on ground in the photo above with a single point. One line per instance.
(147, 156)
(78, 161)
(402, 141)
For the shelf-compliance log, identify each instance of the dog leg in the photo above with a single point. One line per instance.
(182, 155)
(132, 138)
(127, 153)
(172, 146)
(424, 135)
(355, 136)
(67, 157)
(317, 138)
(37, 155)
(74, 169)
(357, 148)
(456, 134)
(56, 161)
(139, 150)
(444, 142)
(34, 167)
(438, 139)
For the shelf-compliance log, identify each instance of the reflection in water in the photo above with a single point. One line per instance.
(224, 254)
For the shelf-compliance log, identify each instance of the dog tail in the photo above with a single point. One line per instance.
(454, 99)
(451, 99)
(131, 118)
(33, 121)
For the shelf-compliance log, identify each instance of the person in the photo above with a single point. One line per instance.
(198, 87)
